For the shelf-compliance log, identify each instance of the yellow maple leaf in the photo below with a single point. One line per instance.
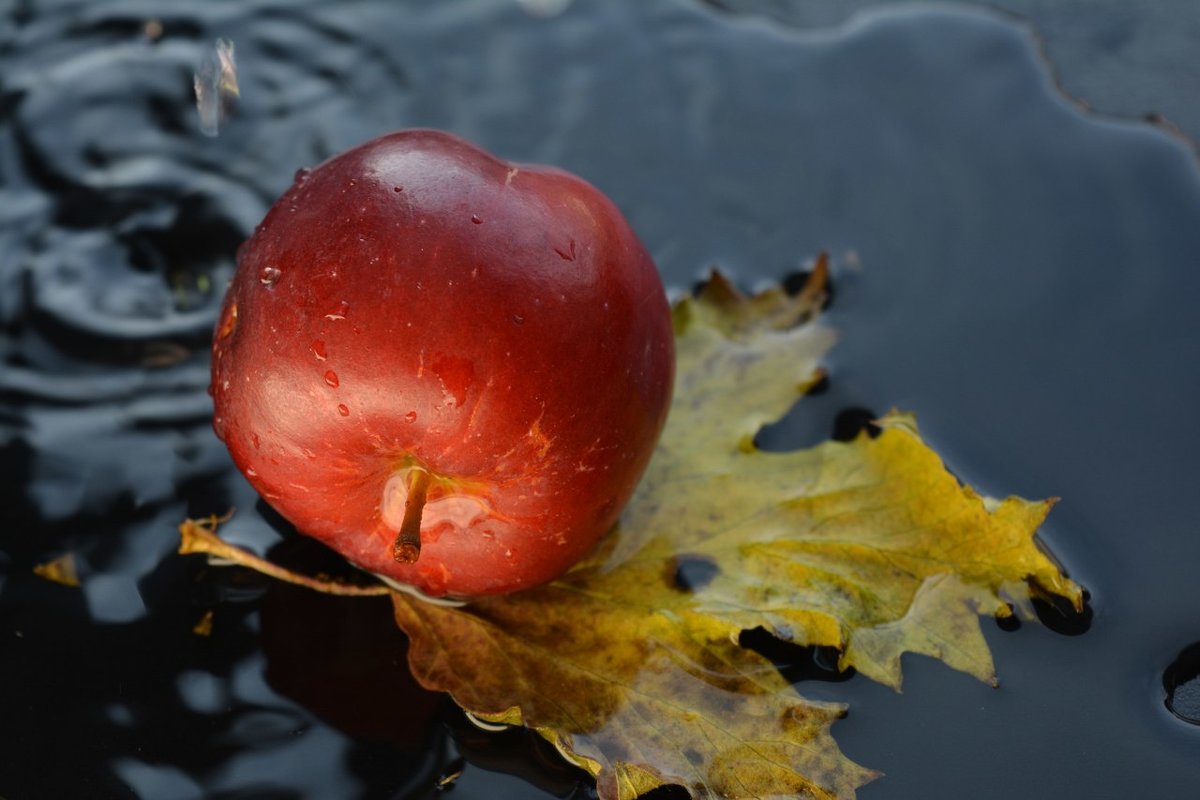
(632, 666)
(870, 546)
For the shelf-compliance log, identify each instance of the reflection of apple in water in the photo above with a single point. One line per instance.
(451, 369)
(344, 659)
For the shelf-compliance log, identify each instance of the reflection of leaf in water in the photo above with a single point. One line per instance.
(634, 671)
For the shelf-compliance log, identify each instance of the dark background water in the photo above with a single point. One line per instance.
(1020, 273)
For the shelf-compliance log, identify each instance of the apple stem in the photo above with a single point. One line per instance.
(407, 547)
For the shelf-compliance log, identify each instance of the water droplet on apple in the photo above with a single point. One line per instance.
(269, 275)
(339, 312)
(250, 472)
(318, 348)
(254, 440)
(331, 378)
(478, 220)
(397, 189)
(518, 319)
(343, 409)
(410, 416)
(301, 175)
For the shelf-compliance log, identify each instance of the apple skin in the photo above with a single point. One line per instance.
(416, 303)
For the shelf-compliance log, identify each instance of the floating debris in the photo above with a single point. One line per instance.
(451, 773)
(60, 570)
(205, 626)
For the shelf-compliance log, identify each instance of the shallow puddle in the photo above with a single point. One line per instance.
(1019, 274)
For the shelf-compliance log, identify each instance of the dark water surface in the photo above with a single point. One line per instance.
(1022, 276)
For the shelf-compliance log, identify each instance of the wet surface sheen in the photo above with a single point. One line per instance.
(1020, 275)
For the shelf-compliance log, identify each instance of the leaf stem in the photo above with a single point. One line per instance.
(200, 536)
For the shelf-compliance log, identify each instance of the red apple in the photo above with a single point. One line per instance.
(449, 368)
